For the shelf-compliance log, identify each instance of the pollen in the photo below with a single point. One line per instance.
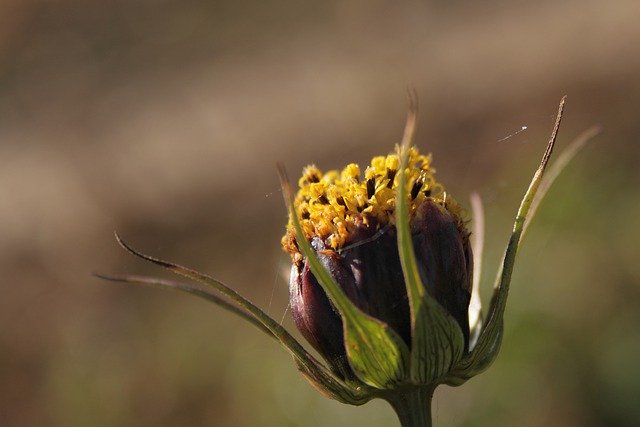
(333, 204)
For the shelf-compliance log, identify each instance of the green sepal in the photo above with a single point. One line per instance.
(376, 353)
(478, 360)
(438, 343)
(488, 344)
(485, 351)
(437, 340)
(345, 392)
(318, 374)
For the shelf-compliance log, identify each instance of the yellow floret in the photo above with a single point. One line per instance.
(331, 204)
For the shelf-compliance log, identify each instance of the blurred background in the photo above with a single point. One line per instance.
(164, 120)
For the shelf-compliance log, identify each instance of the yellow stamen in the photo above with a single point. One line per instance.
(332, 204)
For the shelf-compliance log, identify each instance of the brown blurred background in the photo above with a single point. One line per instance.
(164, 120)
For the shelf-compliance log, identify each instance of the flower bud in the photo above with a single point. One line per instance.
(351, 225)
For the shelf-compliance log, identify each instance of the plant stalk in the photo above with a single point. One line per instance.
(413, 406)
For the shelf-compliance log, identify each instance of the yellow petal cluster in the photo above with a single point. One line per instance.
(332, 204)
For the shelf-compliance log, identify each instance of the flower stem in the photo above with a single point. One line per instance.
(413, 407)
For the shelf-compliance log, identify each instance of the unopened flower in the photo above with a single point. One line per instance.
(383, 283)
(349, 218)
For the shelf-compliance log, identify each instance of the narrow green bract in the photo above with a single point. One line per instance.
(376, 353)
(437, 341)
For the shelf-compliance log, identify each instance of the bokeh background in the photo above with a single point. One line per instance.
(164, 120)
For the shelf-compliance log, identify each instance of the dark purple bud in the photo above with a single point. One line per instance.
(315, 316)
(444, 259)
(368, 270)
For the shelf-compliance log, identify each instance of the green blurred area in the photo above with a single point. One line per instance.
(164, 120)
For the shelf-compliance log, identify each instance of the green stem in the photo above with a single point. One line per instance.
(413, 406)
